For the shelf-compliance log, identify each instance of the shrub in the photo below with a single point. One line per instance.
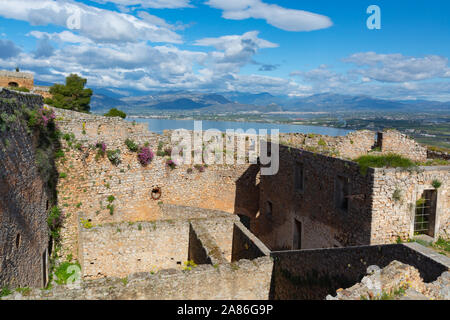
(115, 113)
(132, 146)
(5, 292)
(20, 89)
(381, 161)
(436, 184)
(322, 143)
(145, 156)
(199, 167)
(72, 95)
(171, 164)
(110, 207)
(168, 151)
(114, 156)
(63, 175)
(55, 221)
(64, 271)
(397, 195)
(86, 224)
(111, 199)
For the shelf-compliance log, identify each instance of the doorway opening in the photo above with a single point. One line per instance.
(297, 241)
(425, 215)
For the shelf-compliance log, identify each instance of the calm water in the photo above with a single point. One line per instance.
(158, 125)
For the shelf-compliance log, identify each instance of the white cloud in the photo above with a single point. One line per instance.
(157, 4)
(8, 49)
(96, 24)
(399, 68)
(282, 18)
(234, 51)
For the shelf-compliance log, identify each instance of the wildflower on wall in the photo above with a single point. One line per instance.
(145, 156)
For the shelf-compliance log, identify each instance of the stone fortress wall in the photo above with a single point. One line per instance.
(314, 274)
(319, 200)
(23, 199)
(119, 249)
(90, 182)
(24, 80)
(357, 143)
(310, 205)
(197, 224)
(393, 216)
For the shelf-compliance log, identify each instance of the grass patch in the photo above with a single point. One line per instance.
(64, 271)
(383, 161)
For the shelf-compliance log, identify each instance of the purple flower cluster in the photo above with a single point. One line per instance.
(101, 146)
(145, 156)
(171, 164)
(46, 116)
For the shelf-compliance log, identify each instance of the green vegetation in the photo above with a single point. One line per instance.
(20, 89)
(115, 113)
(188, 265)
(383, 161)
(5, 292)
(436, 184)
(322, 143)
(24, 291)
(114, 156)
(111, 198)
(72, 95)
(397, 195)
(86, 224)
(63, 175)
(55, 221)
(66, 270)
(442, 244)
(132, 146)
(111, 208)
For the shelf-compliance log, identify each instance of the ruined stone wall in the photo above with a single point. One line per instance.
(313, 274)
(43, 91)
(117, 250)
(89, 181)
(246, 245)
(23, 200)
(21, 78)
(395, 142)
(351, 146)
(243, 280)
(358, 143)
(314, 206)
(395, 193)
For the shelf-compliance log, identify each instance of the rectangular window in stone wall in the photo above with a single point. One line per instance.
(299, 177)
(342, 191)
(269, 209)
(425, 217)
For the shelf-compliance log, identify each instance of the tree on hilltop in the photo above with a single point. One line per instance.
(115, 113)
(72, 95)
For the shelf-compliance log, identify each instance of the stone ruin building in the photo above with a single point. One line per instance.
(152, 232)
(11, 79)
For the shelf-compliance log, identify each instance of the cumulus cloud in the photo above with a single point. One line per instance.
(44, 48)
(96, 24)
(157, 4)
(399, 68)
(282, 18)
(235, 51)
(8, 49)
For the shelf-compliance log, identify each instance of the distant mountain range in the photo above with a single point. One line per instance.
(239, 102)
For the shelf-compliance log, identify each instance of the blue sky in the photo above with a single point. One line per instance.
(282, 47)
